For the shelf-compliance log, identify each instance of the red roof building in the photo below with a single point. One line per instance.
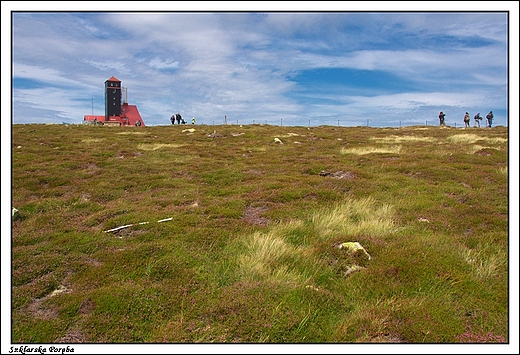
(115, 113)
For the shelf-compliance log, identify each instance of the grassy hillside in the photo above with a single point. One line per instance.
(248, 230)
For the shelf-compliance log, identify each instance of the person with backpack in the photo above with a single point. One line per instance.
(441, 118)
(178, 117)
(477, 119)
(489, 117)
(466, 120)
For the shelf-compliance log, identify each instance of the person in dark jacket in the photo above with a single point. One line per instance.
(489, 117)
(466, 120)
(477, 119)
(441, 118)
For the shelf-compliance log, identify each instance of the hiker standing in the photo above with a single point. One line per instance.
(193, 120)
(466, 120)
(178, 117)
(172, 119)
(489, 117)
(477, 119)
(441, 118)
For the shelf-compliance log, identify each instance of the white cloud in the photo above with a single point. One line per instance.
(157, 63)
(49, 76)
(210, 64)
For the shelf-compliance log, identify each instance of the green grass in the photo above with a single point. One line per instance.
(251, 253)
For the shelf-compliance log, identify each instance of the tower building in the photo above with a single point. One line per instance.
(112, 98)
(116, 113)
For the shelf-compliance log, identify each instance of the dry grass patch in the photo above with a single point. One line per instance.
(133, 132)
(503, 170)
(269, 258)
(399, 139)
(353, 218)
(495, 140)
(92, 140)
(252, 149)
(471, 138)
(371, 150)
(485, 263)
(463, 138)
(155, 146)
(480, 149)
(287, 135)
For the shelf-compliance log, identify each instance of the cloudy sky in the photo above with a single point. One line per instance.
(293, 68)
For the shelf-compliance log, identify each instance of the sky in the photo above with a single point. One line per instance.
(296, 68)
(281, 63)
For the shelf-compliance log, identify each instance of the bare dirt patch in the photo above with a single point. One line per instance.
(253, 215)
(86, 307)
(38, 309)
(338, 174)
(484, 152)
(386, 338)
(72, 336)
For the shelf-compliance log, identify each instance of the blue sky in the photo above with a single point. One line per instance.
(293, 68)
